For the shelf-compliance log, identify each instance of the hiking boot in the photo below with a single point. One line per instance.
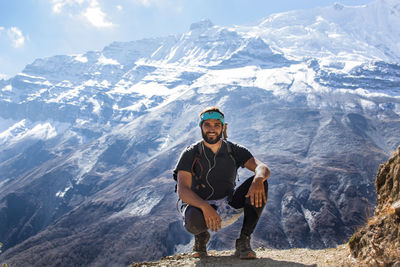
(243, 248)
(200, 244)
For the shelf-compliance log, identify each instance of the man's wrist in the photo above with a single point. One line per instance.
(204, 205)
(258, 178)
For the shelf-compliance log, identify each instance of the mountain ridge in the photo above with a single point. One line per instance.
(102, 143)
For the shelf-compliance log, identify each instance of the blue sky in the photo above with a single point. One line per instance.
(31, 29)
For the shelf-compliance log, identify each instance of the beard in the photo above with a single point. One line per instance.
(211, 140)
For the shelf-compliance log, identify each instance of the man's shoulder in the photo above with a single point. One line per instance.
(193, 148)
(241, 153)
(236, 146)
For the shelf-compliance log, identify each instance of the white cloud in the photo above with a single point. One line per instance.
(14, 35)
(176, 6)
(148, 3)
(89, 10)
(144, 2)
(96, 16)
(57, 7)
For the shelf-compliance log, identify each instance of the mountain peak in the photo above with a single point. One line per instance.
(201, 25)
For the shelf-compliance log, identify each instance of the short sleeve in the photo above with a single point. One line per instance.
(186, 159)
(242, 154)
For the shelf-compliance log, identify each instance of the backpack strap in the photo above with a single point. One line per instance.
(199, 149)
(197, 168)
(230, 152)
(196, 159)
(231, 155)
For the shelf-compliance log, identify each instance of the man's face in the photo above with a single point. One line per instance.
(211, 130)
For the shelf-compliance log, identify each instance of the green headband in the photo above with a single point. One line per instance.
(212, 115)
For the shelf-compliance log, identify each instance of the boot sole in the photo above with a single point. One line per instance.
(246, 256)
(199, 254)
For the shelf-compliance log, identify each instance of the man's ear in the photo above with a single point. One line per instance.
(224, 130)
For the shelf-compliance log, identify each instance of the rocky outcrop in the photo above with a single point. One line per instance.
(378, 243)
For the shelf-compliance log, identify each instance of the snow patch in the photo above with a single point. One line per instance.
(87, 159)
(105, 84)
(41, 131)
(64, 83)
(96, 106)
(7, 88)
(37, 94)
(149, 89)
(308, 215)
(26, 130)
(209, 82)
(90, 83)
(107, 61)
(61, 194)
(81, 58)
(67, 95)
(144, 200)
(95, 83)
(81, 122)
(164, 142)
(367, 104)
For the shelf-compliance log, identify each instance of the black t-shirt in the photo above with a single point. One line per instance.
(213, 175)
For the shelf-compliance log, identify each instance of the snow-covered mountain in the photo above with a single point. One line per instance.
(88, 141)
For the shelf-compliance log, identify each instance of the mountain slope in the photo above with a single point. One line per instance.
(89, 141)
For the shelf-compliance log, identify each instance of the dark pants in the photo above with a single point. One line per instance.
(194, 220)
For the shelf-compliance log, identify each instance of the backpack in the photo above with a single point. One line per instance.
(196, 164)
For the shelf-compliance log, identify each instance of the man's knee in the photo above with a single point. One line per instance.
(194, 220)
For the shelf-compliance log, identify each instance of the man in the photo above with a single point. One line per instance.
(206, 174)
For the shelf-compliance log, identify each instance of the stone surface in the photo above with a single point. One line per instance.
(378, 241)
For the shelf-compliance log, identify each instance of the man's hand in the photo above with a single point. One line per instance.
(213, 221)
(257, 193)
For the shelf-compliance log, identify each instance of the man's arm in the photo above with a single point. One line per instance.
(185, 193)
(261, 174)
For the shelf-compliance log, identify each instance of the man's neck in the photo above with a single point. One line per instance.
(214, 147)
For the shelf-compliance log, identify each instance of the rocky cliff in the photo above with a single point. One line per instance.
(378, 243)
